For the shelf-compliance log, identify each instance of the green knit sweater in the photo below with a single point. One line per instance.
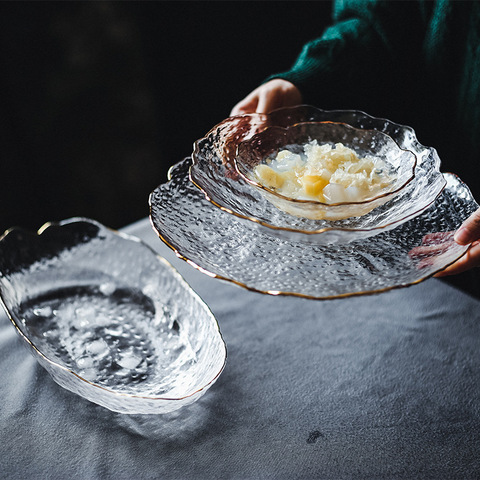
(415, 62)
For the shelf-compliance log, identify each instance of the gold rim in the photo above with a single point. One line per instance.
(296, 294)
(315, 202)
(321, 230)
(436, 168)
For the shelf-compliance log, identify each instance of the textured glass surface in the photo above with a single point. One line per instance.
(213, 171)
(108, 318)
(265, 146)
(223, 246)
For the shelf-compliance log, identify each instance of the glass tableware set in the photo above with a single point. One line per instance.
(113, 322)
(212, 215)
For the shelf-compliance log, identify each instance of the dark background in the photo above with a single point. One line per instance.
(98, 99)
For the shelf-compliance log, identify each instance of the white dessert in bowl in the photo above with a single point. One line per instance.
(325, 170)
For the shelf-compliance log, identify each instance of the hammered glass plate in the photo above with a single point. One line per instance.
(213, 172)
(223, 246)
(108, 318)
(263, 147)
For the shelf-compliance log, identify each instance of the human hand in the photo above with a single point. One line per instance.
(274, 94)
(468, 233)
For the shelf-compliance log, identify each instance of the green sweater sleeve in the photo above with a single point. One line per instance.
(355, 59)
(416, 62)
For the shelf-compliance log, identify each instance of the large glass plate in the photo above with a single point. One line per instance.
(108, 318)
(213, 172)
(223, 246)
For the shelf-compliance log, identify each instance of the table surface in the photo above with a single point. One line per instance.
(383, 386)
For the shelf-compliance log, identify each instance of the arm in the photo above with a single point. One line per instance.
(351, 65)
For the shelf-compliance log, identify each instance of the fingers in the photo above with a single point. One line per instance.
(470, 260)
(432, 247)
(247, 105)
(469, 230)
(435, 244)
(270, 100)
(274, 94)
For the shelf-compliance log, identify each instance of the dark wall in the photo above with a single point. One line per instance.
(98, 99)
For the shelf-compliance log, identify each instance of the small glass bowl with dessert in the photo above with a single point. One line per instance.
(325, 170)
(401, 178)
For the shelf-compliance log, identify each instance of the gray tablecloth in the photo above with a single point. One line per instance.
(383, 386)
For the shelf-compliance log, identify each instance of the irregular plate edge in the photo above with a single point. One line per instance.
(290, 293)
(167, 264)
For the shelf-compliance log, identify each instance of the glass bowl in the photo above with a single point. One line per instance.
(213, 172)
(108, 318)
(224, 247)
(263, 147)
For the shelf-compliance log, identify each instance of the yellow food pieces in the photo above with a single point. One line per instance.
(313, 185)
(270, 178)
(326, 173)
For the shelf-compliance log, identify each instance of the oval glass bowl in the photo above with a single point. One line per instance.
(225, 247)
(263, 147)
(213, 172)
(108, 318)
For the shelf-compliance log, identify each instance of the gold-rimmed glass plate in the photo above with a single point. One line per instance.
(213, 172)
(225, 247)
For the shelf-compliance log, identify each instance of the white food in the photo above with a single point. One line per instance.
(326, 173)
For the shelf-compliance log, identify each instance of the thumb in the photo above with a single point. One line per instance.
(469, 231)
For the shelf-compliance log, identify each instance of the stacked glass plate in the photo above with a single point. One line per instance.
(214, 215)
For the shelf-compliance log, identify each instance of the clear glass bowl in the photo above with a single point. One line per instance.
(225, 247)
(213, 172)
(263, 147)
(108, 318)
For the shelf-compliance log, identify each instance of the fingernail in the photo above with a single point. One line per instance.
(462, 236)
